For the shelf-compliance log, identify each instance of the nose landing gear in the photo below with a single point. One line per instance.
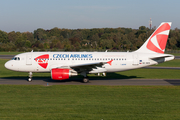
(30, 77)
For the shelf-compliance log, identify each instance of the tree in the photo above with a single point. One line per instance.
(172, 43)
(3, 37)
(39, 34)
(95, 40)
(30, 37)
(74, 40)
(12, 36)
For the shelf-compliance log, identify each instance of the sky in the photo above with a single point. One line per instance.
(29, 15)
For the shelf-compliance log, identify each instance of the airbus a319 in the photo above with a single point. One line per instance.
(63, 65)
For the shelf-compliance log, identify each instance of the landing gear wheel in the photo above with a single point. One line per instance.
(85, 80)
(30, 79)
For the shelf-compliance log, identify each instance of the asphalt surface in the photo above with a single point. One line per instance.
(75, 81)
(6, 56)
(157, 67)
(177, 57)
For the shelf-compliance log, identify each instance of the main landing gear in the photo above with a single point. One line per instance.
(85, 80)
(30, 77)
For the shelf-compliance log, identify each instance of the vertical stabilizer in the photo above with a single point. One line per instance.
(156, 43)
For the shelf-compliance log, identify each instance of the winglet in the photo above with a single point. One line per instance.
(110, 62)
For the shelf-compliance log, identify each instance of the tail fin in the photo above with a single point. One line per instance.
(156, 43)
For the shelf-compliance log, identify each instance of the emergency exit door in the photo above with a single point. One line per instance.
(28, 59)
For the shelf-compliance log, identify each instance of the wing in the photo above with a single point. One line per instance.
(87, 66)
(95, 66)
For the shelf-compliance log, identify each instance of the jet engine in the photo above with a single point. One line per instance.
(62, 74)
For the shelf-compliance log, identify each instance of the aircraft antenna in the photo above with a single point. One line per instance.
(150, 23)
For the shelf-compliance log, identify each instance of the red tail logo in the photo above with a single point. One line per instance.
(42, 60)
(158, 40)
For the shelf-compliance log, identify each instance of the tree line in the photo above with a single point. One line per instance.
(96, 39)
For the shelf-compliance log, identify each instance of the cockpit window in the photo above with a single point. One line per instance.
(16, 58)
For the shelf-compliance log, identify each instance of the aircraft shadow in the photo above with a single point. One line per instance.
(173, 82)
(79, 78)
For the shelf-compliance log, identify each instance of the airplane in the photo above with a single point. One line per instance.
(63, 65)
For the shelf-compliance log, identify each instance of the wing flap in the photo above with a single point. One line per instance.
(88, 65)
(95, 66)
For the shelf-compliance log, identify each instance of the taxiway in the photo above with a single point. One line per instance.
(76, 81)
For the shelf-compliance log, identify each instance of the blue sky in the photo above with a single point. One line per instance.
(29, 15)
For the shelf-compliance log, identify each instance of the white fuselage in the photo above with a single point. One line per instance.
(121, 61)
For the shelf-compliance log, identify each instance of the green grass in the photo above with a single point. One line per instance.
(172, 63)
(73, 102)
(175, 54)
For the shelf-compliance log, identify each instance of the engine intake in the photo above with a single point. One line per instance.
(62, 74)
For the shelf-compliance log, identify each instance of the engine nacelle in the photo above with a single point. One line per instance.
(62, 74)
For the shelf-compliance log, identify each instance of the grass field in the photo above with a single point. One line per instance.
(73, 102)
(172, 63)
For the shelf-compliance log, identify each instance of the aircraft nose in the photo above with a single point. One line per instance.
(8, 65)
